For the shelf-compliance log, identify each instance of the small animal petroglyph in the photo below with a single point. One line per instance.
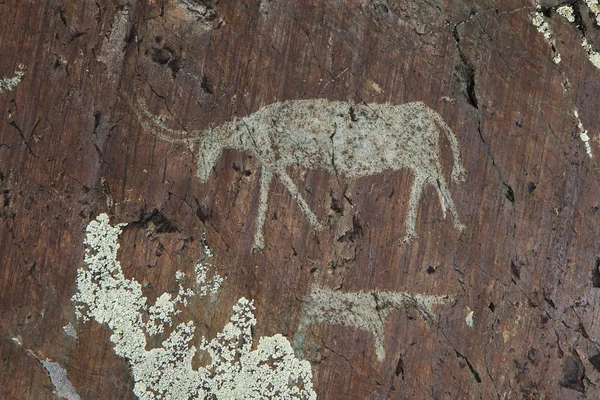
(363, 310)
(344, 138)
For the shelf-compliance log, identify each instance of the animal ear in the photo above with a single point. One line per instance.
(207, 158)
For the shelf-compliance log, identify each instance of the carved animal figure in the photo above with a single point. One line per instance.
(345, 138)
(363, 310)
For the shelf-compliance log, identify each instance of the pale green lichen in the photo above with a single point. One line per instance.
(235, 370)
(593, 55)
(566, 12)
(11, 83)
(540, 23)
(594, 7)
(583, 135)
(469, 318)
(538, 20)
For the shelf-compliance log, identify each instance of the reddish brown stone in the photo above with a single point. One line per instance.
(71, 147)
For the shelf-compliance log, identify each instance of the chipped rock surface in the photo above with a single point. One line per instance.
(400, 198)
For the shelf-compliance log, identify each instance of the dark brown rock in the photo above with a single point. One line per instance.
(524, 272)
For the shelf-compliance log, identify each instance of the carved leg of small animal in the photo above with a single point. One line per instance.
(447, 202)
(413, 207)
(291, 187)
(265, 183)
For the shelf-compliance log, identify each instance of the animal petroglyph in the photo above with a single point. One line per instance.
(344, 138)
(363, 310)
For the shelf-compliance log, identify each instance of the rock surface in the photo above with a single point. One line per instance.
(521, 281)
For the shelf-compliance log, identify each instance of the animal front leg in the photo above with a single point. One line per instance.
(265, 183)
(413, 207)
(291, 187)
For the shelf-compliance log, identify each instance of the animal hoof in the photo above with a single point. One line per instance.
(259, 245)
(459, 175)
(408, 238)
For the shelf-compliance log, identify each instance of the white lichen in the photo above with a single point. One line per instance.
(541, 24)
(593, 55)
(566, 12)
(557, 58)
(583, 135)
(235, 370)
(58, 376)
(539, 21)
(469, 318)
(594, 7)
(205, 286)
(11, 83)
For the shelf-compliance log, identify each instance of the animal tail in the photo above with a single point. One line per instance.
(458, 171)
(155, 126)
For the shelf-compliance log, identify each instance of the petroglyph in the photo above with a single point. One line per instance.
(346, 138)
(235, 370)
(363, 310)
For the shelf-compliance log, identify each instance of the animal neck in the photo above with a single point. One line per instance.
(233, 135)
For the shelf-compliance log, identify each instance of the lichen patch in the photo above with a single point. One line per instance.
(594, 7)
(583, 135)
(235, 370)
(566, 12)
(11, 83)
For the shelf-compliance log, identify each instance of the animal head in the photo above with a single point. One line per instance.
(209, 152)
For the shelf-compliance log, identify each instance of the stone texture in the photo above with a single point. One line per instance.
(71, 147)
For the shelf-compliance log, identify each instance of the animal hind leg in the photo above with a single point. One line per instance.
(413, 207)
(293, 189)
(263, 203)
(447, 202)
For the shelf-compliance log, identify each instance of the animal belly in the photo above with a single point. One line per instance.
(359, 153)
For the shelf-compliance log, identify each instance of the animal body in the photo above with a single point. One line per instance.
(363, 310)
(351, 139)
